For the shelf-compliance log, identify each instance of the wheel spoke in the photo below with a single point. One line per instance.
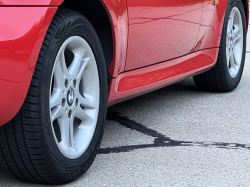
(87, 101)
(233, 71)
(237, 37)
(82, 115)
(230, 23)
(76, 63)
(67, 134)
(63, 64)
(84, 64)
(236, 30)
(232, 18)
(56, 112)
(232, 60)
(71, 135)
(55, 98)
(233, 65)
(58, 75)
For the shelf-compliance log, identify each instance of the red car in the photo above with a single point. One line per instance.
(64, 62)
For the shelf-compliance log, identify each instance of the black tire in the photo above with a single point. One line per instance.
(218, 78)
(27, 146)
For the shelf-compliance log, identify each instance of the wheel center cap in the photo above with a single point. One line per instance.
(70, 96)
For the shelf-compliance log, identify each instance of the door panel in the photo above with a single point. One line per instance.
(160, 30)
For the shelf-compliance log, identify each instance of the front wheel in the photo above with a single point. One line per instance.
(57, 133)
(226, 74)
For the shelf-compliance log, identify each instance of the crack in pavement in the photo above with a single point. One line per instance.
(160, 140)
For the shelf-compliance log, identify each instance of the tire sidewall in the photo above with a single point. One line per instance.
(75, 25)
(233, 82)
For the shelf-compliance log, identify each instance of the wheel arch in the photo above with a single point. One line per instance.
(98, 16)
(110, 21)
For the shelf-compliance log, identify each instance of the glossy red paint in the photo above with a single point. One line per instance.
(212, 24)
(135, 83)
(119, 21)
(20, 43)
(160, 30)
(30, 2)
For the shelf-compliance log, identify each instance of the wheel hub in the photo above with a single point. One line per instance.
(70, 97)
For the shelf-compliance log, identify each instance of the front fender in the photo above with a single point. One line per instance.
(22, 30)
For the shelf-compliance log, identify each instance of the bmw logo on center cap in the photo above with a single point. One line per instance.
(70, 96)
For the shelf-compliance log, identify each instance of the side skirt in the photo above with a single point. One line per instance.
(137, 82)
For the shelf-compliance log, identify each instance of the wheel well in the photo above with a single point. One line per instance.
(95, 12)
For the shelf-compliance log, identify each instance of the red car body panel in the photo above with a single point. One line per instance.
(208, 38)
(169, 29)
(30, 2)
(135, 83)
(22, 30)
(211, 25)
(119, 20)
(20, 44)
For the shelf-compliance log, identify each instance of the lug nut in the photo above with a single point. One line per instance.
(63, 102)
(77, 102)
(74, 83)
(70, 114)
(66, 83)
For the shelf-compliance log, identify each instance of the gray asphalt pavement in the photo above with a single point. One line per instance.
(176, 136)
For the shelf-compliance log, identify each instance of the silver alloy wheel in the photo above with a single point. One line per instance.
(234, 42)
(74, 97)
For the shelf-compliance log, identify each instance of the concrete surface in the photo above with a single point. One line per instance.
(176, 136)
